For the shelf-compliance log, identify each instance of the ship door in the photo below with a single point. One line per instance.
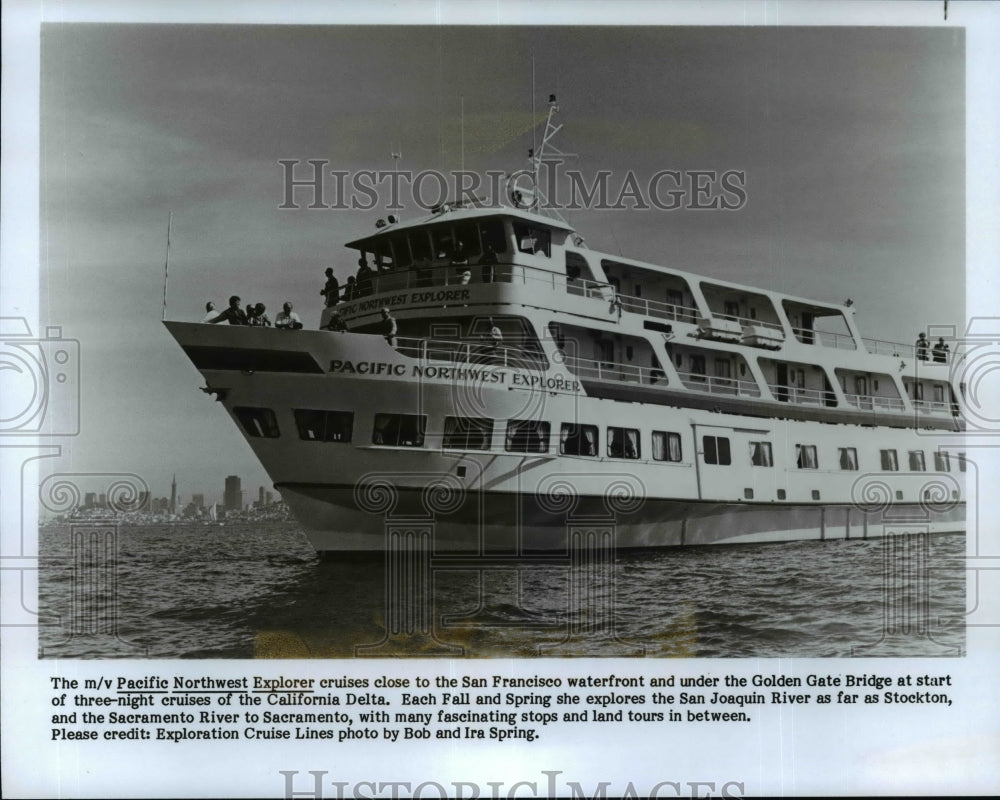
(782, 392)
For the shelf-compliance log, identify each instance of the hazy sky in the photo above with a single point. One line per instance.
(852, 141)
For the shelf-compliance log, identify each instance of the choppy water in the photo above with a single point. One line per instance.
(195, 591)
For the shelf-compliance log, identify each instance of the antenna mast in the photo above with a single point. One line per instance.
(166, 265)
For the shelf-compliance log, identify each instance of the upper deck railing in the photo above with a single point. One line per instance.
(456, 275)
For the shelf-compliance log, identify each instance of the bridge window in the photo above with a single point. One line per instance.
(889, 461)
(849, 458)
(666, 446)
(941, 461)
(716, 450)
(420, 245)
(917, 461)
(578, 440)
(961, 462)
(527, 436)
(805, 456)
(493, 233)
(535, 241)
(623, 443)
(761, 455)
(468, 433)
(399, 430)
(258, 422)
(324, 426)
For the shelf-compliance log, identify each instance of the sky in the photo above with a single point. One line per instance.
(851, 140)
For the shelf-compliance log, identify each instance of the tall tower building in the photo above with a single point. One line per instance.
(233, 497)
(173, 495)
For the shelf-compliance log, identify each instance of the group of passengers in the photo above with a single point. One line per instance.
(254, 315)
(939, 353)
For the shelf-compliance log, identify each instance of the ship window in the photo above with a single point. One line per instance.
(941, 461)
(493, 233)
(578, 440)
(468, 433)
(444, 241)
(716, 450)
(527, 436)
(732, 309)
(805, 456)
(961, 462)
(258, 422)
(531, 240)
(889, 460)
(383, 254)
(606, 350)
(468, 236)
(917, 461)
(324, 426)
(401, 250)
(781, 494)
(399, 430)
(666, 446)
(760, 454)
(938, 393)
(849, 458)
(420, 246)
(623, 443)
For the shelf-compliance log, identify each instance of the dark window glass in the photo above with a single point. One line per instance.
(578, 440)
(849, 458)
(805, 456)
(761, 455)
(917, 461)
(258, 422)
(531, 240)
(467, 433)
(401, 250)
(399, 430)
(623, 443)
(467, 234)
(889, 461)
(527, 436)
(316, 425)
(716, 450)
(493, 233)
(420, 245)
(941, 461)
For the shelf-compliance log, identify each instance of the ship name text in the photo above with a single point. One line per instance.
(499, 377)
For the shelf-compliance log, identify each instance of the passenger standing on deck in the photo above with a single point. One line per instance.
(389, 327)
(364, 278)
(260, 316)
(210, 312)
(940, 352)
(921, 346)
(350, 289)
(234, 315)
(331, 291)
(287, 320)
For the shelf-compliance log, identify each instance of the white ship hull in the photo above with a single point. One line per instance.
(362, 494)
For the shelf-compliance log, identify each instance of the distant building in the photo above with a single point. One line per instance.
(260, 496)
(173, 495)
(198, 501)
(102, 501)
(232, 499)
(143, 501)
(90, 500)
(268, 497)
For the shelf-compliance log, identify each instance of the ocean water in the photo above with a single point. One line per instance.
(258, 590)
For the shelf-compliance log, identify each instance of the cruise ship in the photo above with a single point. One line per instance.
(531, 385)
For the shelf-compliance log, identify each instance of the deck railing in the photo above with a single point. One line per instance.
(801, 396)
(481, 352)
(870, 402)
(838, 341)
(716, 385)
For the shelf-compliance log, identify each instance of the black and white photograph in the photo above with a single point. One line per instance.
(577, 388)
